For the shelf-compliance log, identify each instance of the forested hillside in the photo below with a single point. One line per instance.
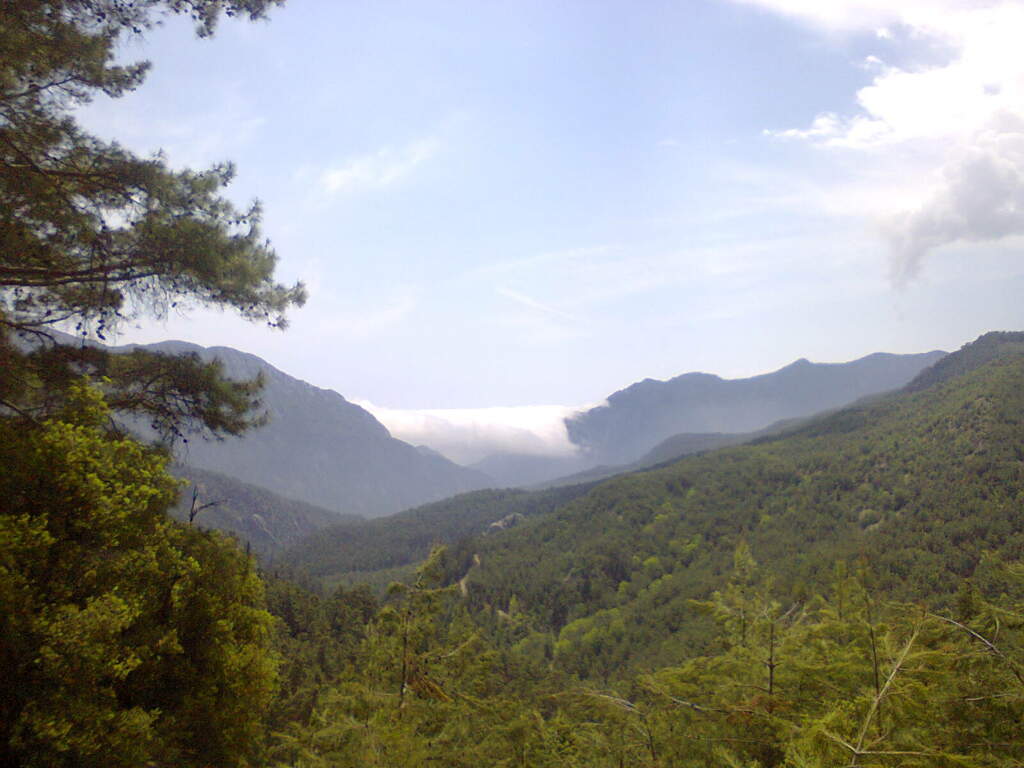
(260, 520)
(843, 676)
(919, 484)
(844, 591)
(664, 452)
(354, 549)
(848, 593)
(980, 351)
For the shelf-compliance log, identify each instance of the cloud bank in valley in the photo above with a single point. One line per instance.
(467, 435)
(961, 119)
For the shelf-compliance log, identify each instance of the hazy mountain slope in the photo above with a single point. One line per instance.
(916, 484)
(265, 521)
(685, 444)
(668, 450)
(679, 446)
(639, 415)
(644, 414)
(322, 449)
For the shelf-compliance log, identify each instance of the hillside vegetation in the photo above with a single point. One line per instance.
(262, 521)
(917, 486)
(354, 549)
(849, 593)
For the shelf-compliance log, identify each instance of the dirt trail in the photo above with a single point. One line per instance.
(462, 581)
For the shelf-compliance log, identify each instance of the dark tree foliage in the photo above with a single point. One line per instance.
(126, 639)
(841, 677)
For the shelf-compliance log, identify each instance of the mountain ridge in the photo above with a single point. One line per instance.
(318, 447)
(915, 485)
(640, 416)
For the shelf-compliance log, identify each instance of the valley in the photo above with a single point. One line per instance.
(542, 473)
(630, 616)
(322, 450)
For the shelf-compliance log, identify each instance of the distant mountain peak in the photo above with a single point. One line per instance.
(642, 415)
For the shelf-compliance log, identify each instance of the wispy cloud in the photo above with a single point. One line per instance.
(382, 168)
(534, 322)
(825, 126)
(877, 16)
(369, 321)
(544, 259)
(526, 301)
(580, 277)
(961, 120)
(575, 291)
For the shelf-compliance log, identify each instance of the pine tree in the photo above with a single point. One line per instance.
(91, 235)
(125, 638)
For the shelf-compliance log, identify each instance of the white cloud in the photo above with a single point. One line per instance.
(466, 435)
(953, 131)
(381, 168)
(825, 125)
(981, 199)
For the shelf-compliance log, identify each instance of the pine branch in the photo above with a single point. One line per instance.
(987, 643)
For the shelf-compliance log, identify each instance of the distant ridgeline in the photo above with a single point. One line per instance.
(651, 422)
(317, 448)
(917, 485)
(640, 417)
(354, 550)
(337, 462)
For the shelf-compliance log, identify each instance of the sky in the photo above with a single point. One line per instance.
(505, 212)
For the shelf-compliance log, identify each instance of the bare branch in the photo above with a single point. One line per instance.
(987, 643)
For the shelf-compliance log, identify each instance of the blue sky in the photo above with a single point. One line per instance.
(537, 203)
